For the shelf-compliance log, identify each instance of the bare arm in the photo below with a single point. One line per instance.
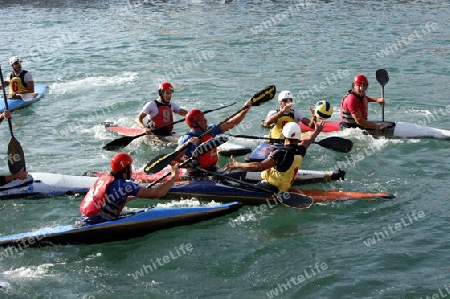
(318, 128)
(250, 166)
(234, 121)
(161, 189)
(182, 112)
(365, 123)
(139, 120)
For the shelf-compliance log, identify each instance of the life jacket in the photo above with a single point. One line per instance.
(347, 120)
(276, 131)
(210, 158)
(95, 199)
(163, 118)
(17, 83)
(283, 176)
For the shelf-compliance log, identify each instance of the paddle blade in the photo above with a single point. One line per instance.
(16, 158)
(382, 77)
(295, 200)
(120, 142)
(264, 95)
(159, 162)
(337, 144)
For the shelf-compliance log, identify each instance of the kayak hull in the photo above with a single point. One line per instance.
(226, 149)
(132, 226)
(212, 190)
(395, 130)
(15, 104)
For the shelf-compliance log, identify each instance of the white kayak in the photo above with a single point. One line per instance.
(394, 130)
(46, 184)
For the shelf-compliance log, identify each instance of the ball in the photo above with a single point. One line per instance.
(323, 110)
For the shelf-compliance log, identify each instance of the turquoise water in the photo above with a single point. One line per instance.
(102, 60)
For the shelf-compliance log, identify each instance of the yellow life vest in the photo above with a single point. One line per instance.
(15, 85)
(283, 180)
(276, 131)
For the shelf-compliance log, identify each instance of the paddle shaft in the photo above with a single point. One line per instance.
(334, 143)
(382, 106)
(124, 141)
(275, 194)
(6, 101)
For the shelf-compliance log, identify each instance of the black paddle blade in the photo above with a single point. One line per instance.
(16, 158)
(159, 162)
(295, 200)
(382, 77)
(264, 95)
(337, 144)
(120, 142)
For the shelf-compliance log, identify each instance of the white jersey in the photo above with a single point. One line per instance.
(152, 109)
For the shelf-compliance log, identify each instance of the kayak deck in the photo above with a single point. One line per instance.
(15, 104)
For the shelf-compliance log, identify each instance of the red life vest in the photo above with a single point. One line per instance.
(208, 159)
(163, 118)
(95, 199)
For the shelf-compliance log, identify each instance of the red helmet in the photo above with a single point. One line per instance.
(360, 80)
(120, 161)
(165, 86)
(193, 116)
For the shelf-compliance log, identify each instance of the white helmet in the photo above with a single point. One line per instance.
(14, 59)
(292, 130)
(285, 94)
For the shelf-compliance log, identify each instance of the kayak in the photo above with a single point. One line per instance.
(14, 104)
(46, 184)
(302, 177)
(226, 149)
(132, 225)
(394, 130)
(226, 191)
(262, 152)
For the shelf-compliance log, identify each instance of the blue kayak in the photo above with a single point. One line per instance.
(262, 152)
(129, 226)
(14, 104)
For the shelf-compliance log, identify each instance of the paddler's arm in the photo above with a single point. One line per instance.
(365, 123)
(233, 122)
(5, 179)
(318, 128)
(250, 166)
(186, 144)
(139, 120)
(161, 189)
(376, 100)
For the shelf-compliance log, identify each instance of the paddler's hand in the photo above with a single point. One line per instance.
(231, 165)
(193, 140)
(319, 125)
(21, 175)
(248, 104)
(175, 170)
(148, 131)
(380, 101)
(382, 126)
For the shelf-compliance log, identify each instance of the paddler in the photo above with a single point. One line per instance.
(21, 175)
(19, 80)
(109, 194)
(354, 106)
(160, 112)
(286, 114)
(278, 171)
(198, 124)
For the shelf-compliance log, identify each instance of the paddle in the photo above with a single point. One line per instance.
(334, 143)
(200, 150)
(125, 140)
(383, 79)
(158, 163)
(16, 157)
(290, 199)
